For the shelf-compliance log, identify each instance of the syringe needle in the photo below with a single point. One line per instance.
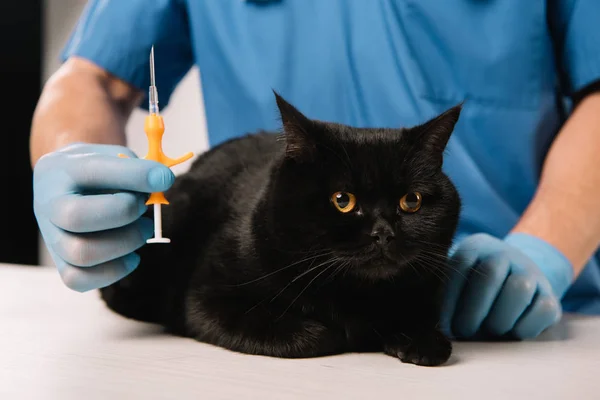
(152, 77)
(153, 91)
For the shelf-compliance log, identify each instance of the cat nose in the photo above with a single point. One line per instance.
(382, 233)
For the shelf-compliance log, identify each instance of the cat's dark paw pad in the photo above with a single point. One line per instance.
(426, 350)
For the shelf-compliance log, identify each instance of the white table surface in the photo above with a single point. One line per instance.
(59, 344)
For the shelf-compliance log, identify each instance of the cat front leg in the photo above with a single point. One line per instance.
(421, 347)
(412, 334)
(260, 330)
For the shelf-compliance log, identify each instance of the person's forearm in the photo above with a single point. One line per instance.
(81, 103)
(565, 210)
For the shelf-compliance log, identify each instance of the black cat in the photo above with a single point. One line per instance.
(321, 240)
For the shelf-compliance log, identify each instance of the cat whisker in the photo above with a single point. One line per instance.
(376, 332)
(336, 271)
(439, 274)
(256, 305)
(433, 263)
(429, 243)
(286, 286)
(310, 269)
(440, 256)
(313, 268)
(340, 268)
(313, 250)
(410, 265)
(440, 251)
(436, 258)
(306, 287)
(442, 272)
(433, 260)
(281, 269)
(470, 272)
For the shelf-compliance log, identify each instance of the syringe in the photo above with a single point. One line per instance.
(155, 128)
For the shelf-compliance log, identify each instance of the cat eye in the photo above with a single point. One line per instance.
(343, 201)
(411, 202)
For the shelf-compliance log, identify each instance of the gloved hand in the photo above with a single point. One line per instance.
(511, 286)
(88, 203)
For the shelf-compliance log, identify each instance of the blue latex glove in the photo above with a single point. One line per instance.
(88, 203)
(511, 286)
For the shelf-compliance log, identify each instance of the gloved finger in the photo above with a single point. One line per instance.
(102, 172)
(545, 312)
(484, 285)
(98, 276)
(107, 149)
(89, 249)
(77, 213)
(466, 256)
(514, 298)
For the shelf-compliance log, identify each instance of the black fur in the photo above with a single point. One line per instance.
(261, 262)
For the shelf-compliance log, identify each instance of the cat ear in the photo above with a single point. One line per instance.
(296, 129)
(435, 133)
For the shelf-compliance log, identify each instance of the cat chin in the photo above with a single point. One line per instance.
(375, 256)
(376, 271)
(378, 266)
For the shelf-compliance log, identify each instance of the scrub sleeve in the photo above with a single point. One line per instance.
(118, 35)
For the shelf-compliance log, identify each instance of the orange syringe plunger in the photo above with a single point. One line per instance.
(154, 127)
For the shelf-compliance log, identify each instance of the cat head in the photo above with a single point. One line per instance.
(375, 201)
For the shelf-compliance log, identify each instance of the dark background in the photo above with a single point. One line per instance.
(20, 85)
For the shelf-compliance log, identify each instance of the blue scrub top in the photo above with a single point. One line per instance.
(376, 63)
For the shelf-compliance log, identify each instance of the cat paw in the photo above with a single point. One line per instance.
(431, 349)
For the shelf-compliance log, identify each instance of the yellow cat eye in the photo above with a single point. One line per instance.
(343, 201)
(411, 202)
